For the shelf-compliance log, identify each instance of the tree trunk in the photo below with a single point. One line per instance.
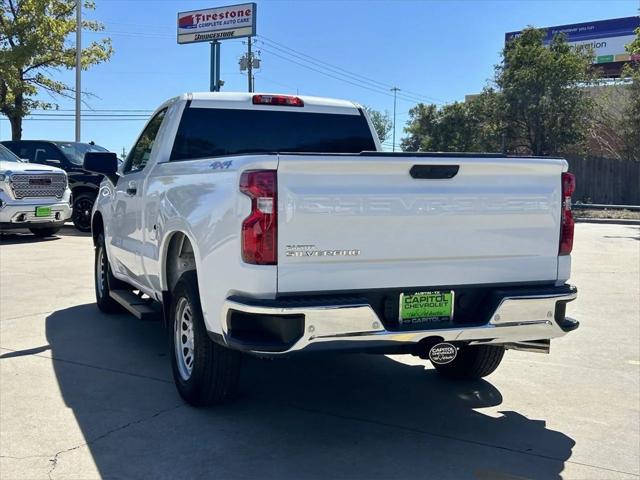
(16, 127)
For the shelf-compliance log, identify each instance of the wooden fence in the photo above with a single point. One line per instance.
(606, 180)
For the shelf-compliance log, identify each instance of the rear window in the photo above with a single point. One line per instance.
(209, 132)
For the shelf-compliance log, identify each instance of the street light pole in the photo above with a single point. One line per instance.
(78, 64)
(395, 90)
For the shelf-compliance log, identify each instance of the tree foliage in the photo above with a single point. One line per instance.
(545, 105)
(538, 104)
(34, 42)
(381, 122)
(630, 127)
(456, 127)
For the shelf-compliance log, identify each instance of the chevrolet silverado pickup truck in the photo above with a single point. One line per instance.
(274, 225)
(36, 197)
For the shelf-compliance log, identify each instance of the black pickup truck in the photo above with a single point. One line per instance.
(68, 156)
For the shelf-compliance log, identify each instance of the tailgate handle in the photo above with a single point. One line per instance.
(434, 172)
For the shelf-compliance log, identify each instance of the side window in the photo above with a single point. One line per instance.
(46, 153)
(23, 150)
(141, 151)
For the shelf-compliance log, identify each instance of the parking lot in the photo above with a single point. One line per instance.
(84, 395)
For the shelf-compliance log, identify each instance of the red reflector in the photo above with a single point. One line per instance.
(283, 100)
(260, 228)
(567, 225)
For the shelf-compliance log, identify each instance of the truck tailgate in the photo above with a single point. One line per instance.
(363, 221)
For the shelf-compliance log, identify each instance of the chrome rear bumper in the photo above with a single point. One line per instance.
(334, 327)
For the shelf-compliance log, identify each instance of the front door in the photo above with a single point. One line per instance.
(126, 241)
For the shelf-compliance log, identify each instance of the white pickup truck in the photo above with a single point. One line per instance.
(274, 224)
(36, 197)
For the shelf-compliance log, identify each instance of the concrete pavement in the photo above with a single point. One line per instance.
(85, 395)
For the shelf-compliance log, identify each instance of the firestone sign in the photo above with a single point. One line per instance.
(220, 23)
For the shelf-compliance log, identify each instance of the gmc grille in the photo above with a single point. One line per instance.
(37, 186)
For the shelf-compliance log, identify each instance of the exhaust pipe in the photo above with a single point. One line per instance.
(536, 346)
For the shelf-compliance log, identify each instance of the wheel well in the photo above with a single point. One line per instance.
(80, 190)
(180, 258)
(97, 226)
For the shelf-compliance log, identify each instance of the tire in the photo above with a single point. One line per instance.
(82, 207)
(208, 373)
(473, 362)
(45, 231)
(104, 280)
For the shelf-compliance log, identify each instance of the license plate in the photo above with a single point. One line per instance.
(43, 211)
(426, 307)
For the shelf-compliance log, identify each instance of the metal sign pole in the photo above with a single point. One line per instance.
(214, 79)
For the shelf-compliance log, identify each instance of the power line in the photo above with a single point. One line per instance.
(342, 71)
(334, 74)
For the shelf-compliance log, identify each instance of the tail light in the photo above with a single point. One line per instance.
(260, 228)
(567, 222)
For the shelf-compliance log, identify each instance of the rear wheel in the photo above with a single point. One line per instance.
(82, 207)
(44, 231)
(472, 362)
(104, 280)
(205, 372)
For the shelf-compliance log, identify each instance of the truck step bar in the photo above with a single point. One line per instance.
(141, 308)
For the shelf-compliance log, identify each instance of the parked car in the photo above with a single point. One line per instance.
(67, 156)
(33, 197)
(274, 225)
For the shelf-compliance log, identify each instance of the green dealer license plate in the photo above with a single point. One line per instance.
(43, 211)
(426, 307)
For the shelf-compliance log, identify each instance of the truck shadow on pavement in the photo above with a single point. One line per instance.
(329, 416)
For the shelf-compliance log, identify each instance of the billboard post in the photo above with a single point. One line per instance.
(215, 24)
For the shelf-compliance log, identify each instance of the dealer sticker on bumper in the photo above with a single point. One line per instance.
(426, 307)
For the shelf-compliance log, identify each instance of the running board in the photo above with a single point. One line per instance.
(138, 307)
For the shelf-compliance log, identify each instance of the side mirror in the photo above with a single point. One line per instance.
(104, 163)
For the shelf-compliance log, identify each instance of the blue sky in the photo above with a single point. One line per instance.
(434, 51)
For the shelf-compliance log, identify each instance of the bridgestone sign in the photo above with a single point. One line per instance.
(222, 23)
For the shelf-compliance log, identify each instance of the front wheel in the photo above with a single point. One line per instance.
(205, 372)
(104, 280)
(82, 207)
(43, 232)
(472, 362)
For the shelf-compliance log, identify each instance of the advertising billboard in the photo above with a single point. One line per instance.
(220, 23)
(607, 38)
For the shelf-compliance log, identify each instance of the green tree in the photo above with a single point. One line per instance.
(33, 43)
(455, 127)
(421, 129)
(630, 127)
(546, 108)
(381, 122)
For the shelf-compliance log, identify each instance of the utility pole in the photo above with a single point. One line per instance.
(78, 65)
(395, 90)
(249, 65)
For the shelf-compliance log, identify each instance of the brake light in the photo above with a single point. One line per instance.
(260, 228)
(282, 100)
(567, 222)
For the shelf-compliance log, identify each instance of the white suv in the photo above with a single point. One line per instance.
(36, 197)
